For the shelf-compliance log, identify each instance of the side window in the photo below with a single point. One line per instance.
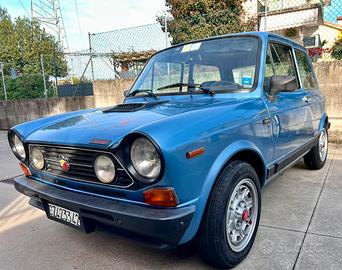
(205, 73)
(269, 71)
(305, 71)
(279, 62)
(282, 60)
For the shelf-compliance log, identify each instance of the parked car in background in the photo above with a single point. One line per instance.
(204, 128)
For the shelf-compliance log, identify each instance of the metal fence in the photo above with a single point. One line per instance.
(112, 55)
(317, 24)
(98, 62)
(18, 83)
(122, 53)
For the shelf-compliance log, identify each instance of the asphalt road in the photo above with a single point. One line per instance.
(300, 228)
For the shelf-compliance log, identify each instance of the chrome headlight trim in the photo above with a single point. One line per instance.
(104, 169)
(37, 160)
(146, 159)
(17, 146)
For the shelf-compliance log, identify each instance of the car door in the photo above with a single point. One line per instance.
(290, 116)
(313, 95)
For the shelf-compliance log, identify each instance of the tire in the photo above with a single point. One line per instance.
(215, 242)
(315, 159)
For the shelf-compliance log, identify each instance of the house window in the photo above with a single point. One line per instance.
(311, 42)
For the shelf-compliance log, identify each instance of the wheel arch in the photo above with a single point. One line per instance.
(324, 122)
(241, 150)
(254, 159)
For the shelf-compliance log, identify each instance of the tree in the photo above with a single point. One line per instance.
(195, 19)
(21, 44)
(25, 87)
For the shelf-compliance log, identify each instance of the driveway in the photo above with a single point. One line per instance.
(300, 228)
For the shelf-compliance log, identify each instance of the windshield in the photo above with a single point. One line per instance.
(221, 65)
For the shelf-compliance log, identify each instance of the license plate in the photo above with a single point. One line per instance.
(65, 215)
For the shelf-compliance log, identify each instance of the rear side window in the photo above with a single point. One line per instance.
(279, 62)
(305, 71)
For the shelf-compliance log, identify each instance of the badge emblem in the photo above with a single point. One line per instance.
(63, 162)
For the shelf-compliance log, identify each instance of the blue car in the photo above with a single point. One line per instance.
(206, 125)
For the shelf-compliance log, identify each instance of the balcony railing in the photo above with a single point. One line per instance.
(279, 5)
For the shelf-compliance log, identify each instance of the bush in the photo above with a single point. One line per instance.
(26, 87)
(337, 48)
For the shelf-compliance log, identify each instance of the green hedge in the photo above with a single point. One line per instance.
(26, 87)
(337, 50)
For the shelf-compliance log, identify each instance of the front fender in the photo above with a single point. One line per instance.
(213, 174)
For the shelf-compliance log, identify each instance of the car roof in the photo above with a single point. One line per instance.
(261, 34)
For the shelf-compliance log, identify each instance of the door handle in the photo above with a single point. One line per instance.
(307, 99)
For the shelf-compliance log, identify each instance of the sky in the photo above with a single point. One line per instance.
(95, 16)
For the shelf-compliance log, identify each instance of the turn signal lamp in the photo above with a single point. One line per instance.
(165, 197)
(25, 169)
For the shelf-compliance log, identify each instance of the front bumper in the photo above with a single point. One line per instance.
(162, 228)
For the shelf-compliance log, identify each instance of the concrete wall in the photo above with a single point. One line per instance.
(13, 112)
(108, 93)
(330, 79)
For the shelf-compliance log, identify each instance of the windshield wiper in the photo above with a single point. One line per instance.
(147, 91)
(195, 85)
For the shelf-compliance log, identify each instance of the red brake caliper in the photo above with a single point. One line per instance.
(245, 217)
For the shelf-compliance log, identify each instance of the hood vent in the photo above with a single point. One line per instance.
(132, 107)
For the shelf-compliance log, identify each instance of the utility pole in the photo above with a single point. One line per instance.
(91, 58)
(3, 79)
(265, 15)
(166, 33)
(43, 72)
(55, 70)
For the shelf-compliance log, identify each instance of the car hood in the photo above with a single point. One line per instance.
(82, 127)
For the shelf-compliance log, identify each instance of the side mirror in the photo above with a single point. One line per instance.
(283, 84)
(125, 93)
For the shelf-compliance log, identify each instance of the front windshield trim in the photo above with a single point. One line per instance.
(245, 90)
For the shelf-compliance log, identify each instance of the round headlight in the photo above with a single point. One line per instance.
(37, 159)
(145, 158)
(104, 169)
(18, 147)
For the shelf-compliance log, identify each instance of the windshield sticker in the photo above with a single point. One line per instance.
(191, 47)
(196, 46)
(247, 80)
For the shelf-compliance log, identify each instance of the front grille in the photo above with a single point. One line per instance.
(81, 165)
